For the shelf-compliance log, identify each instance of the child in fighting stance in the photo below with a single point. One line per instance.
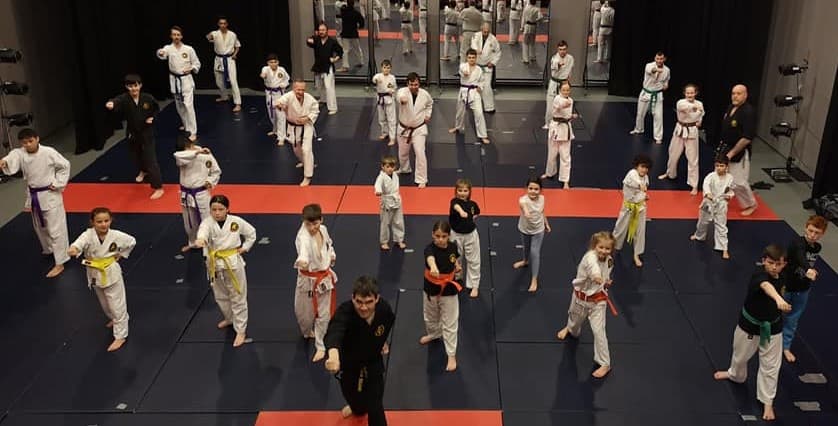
(532, 224)
(461, 216)
(631, 223)
(392, 218)
(718, 190)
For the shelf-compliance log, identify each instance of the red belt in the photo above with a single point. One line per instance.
(596, 298)
(319, 276)
(443, 281)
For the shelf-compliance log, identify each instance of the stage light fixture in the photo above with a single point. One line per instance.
(792, 69)
(782, 129)
(20, 119)
(787, 100)
(14, 88)
(10, 56)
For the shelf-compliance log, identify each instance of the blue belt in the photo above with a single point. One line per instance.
(225, 69)
(35, 204)
(192, 192)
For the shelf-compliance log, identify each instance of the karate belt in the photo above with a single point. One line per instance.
(271, 106)
(361, 377)
(764, 327)
(192, 192)
(634, 208)
(597, 297)
(558, 81)
(381, 97)
(407, 22)
(565, 121)
(453, 24)
(302, 132)
(100, 264)
(532, 23)
(178, 84)
(225, 69)
(35, 203)
(685, 128)
(223, 255)
(319, 276)
(470, 87)
(443, 281)
(654, 100)
(606, 26)
(407, 132)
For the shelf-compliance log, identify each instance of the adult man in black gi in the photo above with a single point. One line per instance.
(327, 51)
(738, 130)
(356, 340)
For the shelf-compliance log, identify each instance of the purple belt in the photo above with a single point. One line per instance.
(225, 69)
(381, 97)
(192, 192)
(36, 204)
(271, 106)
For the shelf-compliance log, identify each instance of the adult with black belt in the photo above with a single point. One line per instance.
(738, 130)
(327, 51)
(356, 340)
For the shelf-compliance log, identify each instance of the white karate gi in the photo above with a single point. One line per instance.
(423, 21)
(108, 285)
(770, 361)
(385, 88)
(529, 26)
(486, 10)
(375, 28)
(606, 28)
(391, 207)
(301, 135)
(469, 96)
(231, 302)
(632, 195)
(653, 86)
(42, 169)
(741, 171)
(181, 83)
(582, 310)
(515, 8)
(488, 52)
(559, 136)
(413, 130)
(502, 12)
(196, 171)
(717, 191)
(276, 83)
(684, 137)
(451, 31)
(596, 20)
(320, 10)
(560, 70)
(319, 258)
(406, 15)
(224, 46)
(471, 19)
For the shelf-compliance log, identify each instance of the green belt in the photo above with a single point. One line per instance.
(654, 95)
(764, 327)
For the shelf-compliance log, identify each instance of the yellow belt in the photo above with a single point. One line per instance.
(634, 208)
(223, 255)
(100, 265)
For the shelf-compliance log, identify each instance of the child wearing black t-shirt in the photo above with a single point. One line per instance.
(800, 274)
(760, 326)
(461, 215)
(440, 306)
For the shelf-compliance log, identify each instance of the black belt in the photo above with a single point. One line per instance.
(558, 80)
(381, 97)
(561, 120)
(423, 10)
(407, 22)
(606, 26)
(302, 133)
(178, 84)
(532, 23)
(449, 23)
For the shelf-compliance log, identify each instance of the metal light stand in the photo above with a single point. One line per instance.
(790, 171)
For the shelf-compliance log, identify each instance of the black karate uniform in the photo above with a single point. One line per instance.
(362, 367)
(323, 52)
(140, 134)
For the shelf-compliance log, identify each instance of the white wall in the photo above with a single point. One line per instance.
(800, 29)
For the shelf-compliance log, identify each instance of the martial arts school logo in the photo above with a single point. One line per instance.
(452, 258)
(112, 247)
(610, 262)
(379, 331)
(389, 85)
(184, 55)
(280, 74)
(733, 123)
(146, 106)
(234, 227)
(209, 164)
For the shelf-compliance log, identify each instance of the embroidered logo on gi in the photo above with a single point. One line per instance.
(733, 123)
(389, 85)
(452, 258)
(146, 106)
(234, 226)
(610, 262)
(280, 74)
(209, 164)
(379, 331)
(184, 55)
(472, 211)
(112, 247)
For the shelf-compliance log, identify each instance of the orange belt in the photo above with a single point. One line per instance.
(596, 298)
(443, 280)
(319, 276)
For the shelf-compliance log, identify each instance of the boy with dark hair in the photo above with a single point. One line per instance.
(631, 223)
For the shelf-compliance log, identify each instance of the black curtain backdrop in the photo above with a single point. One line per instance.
(826, 173)
(113, 38)
(714, 44)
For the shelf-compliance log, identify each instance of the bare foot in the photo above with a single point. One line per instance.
(109, 324)
(239, 340)
(401, 245)
(452, 363)
(271, 133)
(663, 176)
(562, 334)
(280, 142)
(139, 177)
(385, 246)
(318, 356)
(237, 108)
(156, 194)
(533, 285)
(185, 248)
(305, 182)
(601, 371)
(55, 271)
(422, 185)
(725, 254)
(453, 130)
(221, 99)
(346, 411)
(545, 176)
(694, 191)
(520, 264)
(566, 185)
(193, 138)
(392, 142)
(424, 340)
(721, 375)
(637, 261)
(382, 137)
(117, 343)
(298, 166)
(224, 324)
(789, 356)
(485, 141)
(768, 412)
(694, 238)
(309, 335)
(474, 293)
(749, 211)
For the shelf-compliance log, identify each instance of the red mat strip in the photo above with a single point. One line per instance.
(400, 418)
(357, 199)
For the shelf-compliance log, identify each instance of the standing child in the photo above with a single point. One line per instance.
(276, 82)
(102, 248)
(690, 113)
(803, 252)
(441, 306)
(221, 235)
(559, 136)
(631, 223)
(387, 188)
(532, 224)
(385, 87)
(183, 62)
(46, 173)
(760, 325)
(590, 297)
(406, 13)
(461, 215)
(718, 190)
(315, 297)
(470, 77)
(199, 173)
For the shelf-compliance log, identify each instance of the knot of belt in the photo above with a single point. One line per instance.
(685, 131)
(101, 265)
(764, 327)
(560, 81)
(470, 87)
(443, 280)
(178, 83)
(192, 192)
(319, 276)
(35, 204)
(225, 69)
(223, 255)
(381, 97)
(597, 297)
(634, 209)
(654, 97)
(271, 107)
(295, 125)
(407, 132)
